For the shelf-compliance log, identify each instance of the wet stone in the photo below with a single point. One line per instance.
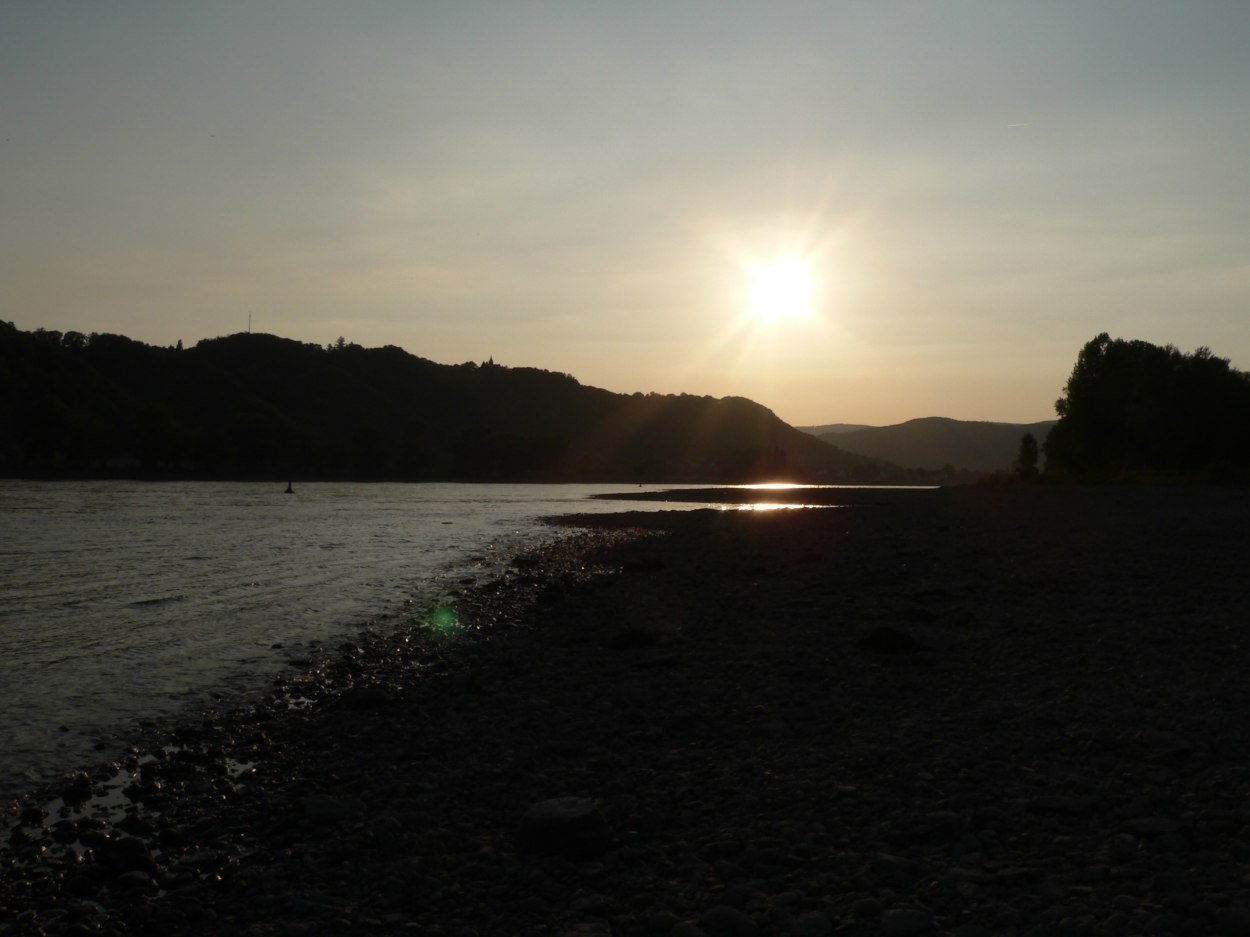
(136, 880)
(64, 831)
(567, 826)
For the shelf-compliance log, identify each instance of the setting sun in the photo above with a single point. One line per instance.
(780, 289)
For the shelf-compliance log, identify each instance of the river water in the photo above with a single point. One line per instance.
(127, 601)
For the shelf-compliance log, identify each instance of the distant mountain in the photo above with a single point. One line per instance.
(251, 405)
(833, 428)
(934, 442)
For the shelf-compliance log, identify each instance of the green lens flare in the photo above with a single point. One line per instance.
(443, 619)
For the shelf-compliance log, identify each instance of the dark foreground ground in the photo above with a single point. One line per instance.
(976, 712)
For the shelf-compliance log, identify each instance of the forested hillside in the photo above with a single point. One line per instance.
(252, 405)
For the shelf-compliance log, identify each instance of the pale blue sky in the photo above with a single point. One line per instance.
(980, 186)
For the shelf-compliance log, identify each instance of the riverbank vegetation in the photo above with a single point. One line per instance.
(260, 406)
(1136, 411)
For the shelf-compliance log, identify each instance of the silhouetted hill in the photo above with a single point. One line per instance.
(261, 406)
(933, 442)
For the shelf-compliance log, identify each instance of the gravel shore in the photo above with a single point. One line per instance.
(985, 711)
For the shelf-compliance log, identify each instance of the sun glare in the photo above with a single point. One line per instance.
(780, 289)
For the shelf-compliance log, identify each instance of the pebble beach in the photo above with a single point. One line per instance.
(1000, 710)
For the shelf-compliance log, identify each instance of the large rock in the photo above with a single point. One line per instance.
(726, 921)
(565, 826)
(78, 790)
(367, 696)
(905, 922)
(812, 924)
(125, 854)
(326, 808)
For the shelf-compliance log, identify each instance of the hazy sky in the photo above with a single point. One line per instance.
(980, 186)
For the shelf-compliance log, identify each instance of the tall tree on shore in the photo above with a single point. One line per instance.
(1026, 459)
(1131, 406)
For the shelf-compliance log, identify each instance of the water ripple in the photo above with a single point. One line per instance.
(126, 601)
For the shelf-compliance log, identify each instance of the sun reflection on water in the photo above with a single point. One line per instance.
(774, 486)
(773, 506)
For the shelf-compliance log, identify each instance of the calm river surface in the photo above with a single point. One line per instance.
(124, 601)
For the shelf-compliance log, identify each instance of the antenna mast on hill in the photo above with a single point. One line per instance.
(249, 323)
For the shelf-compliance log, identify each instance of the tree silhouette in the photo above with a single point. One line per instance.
(1026, 459)
(1130, 406)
